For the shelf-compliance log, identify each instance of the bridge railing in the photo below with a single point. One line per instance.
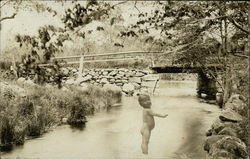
(104, 57)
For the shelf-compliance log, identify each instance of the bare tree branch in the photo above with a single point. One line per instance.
(239, 55)
(237, 25)
(119, 3)
(4, 4)
(9, 17)
(136, 7)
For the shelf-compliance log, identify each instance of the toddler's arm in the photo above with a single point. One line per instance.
(157, 114)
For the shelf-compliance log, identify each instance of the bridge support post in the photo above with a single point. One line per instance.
(80, 67)
(206, 86)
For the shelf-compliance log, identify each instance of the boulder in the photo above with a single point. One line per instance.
(105, 73)
(21, 80)
(118, 77)
(137, 86)
(65, 71)
(104, 81)
(119, 84)
(93, 73)
(48, 70)
(139, 74)
(130, 74)
(237, 104)
(112, 87)
(112, 80)
(83, 74)
(228, 131)
(123, 69)
(64, 120)
(121, 73)
(230, 116)
(146, 72)
(124, 81)
(128, 88)
(211, 140)
(219, 98)
(113, 73)
(222, 154)
(85, 79)
(108, 77)
(135, 79)
(118, 81)
(74, 70)
(70, 81)
(234, 146)
(219, 125)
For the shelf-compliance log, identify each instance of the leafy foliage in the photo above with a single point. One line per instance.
(187, 24)
(80, 15)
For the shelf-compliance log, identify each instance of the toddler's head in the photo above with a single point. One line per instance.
(144, 100)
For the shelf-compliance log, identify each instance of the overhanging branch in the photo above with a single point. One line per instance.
(9, 17)
(238, 25)
(119, 3)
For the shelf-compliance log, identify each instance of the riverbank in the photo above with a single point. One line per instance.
(31, 110)
(228, 137)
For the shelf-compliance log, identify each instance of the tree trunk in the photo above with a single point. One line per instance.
(228, 85)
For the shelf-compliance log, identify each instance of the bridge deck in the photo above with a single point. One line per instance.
(183, 69)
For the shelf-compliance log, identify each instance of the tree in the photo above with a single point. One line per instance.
(201, 33)
(51, 39)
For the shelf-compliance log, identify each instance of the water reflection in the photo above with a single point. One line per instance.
(78, 127)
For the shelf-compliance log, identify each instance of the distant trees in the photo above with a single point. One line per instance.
(51, 39)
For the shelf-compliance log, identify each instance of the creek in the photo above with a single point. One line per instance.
(116, 133)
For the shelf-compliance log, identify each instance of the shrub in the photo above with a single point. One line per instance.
(78, 111)
(43, 108)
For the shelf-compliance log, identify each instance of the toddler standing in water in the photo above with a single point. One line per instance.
(148, 120)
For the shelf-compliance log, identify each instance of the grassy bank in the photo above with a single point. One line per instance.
(42, 108)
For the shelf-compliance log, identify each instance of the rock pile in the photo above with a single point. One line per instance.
(127, 80)
(225, 139)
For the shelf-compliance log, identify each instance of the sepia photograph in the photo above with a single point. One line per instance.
(124, 79)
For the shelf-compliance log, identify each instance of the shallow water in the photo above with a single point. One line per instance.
(116, 133)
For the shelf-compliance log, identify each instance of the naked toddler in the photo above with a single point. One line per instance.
(148, 120)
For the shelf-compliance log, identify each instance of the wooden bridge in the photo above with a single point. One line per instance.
(132, 56)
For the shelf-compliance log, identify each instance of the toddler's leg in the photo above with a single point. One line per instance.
(145, 140)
